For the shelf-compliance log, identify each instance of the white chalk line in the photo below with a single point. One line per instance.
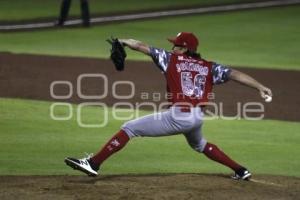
(266, 182)
(223, 8)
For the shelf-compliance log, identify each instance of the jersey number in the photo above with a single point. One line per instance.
(192, 86)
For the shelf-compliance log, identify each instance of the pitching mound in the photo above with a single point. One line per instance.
(155, 186)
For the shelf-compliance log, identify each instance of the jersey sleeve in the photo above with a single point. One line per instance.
(220, 73)
(160, 57)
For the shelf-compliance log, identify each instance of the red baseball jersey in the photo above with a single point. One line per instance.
(189, 80)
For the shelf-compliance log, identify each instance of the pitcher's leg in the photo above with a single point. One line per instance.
(196, 140)
(150, 125)
(214, 153)
(154, 125)
(198, 143)
(116, 143)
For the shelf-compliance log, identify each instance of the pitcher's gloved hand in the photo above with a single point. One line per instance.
(117, 53)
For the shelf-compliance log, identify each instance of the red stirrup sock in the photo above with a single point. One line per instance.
(117, 142)
(214, 153)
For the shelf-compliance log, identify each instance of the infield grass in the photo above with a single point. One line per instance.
(31, 143)
(264, 38)
(14, 10)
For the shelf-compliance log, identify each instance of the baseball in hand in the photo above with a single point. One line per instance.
(268, 98)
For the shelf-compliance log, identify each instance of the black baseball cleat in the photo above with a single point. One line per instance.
(242, 174)
(83, 165)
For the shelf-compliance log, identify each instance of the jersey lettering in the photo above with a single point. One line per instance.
(187, 84)
(192, 86)
(199, 84)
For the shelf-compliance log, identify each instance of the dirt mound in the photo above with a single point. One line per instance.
(155, 186)
(30, 76)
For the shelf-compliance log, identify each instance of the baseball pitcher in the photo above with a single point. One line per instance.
(190, 79)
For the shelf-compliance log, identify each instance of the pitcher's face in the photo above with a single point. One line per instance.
(178, 50)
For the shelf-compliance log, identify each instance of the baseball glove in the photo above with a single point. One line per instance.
(117, 53)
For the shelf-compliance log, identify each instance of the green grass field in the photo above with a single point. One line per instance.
(13, 10)
(32, 143)
(265, 38)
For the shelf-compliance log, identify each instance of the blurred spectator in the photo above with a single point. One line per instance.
(64, 11)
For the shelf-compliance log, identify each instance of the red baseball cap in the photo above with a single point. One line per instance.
(185, 39)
